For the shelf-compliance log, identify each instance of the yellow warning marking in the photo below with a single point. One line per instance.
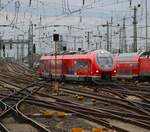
(97, 130)
(76, 130)
(61, 114)
(80, 97)
(48, 114)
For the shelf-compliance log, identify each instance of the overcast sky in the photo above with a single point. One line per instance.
(71, 12)
(49, 10)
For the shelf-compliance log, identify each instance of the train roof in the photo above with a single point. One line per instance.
(79, 52)
(124, 55)
(132, 56)
(82, 55)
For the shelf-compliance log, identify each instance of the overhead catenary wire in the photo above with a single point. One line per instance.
(86, 9)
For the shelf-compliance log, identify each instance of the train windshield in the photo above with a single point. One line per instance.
(105, 61)
(145, 54)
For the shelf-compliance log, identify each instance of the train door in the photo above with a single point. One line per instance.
(89, 68)
(144, 66)
(124, 69)
(59, 67)
(45, 68)
(135, 69)
(71, 66)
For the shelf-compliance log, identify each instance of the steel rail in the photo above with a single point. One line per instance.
(10, 107)
(82, 115)
(139, 118)
(119, 102)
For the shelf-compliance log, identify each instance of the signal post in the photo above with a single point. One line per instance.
(56, 39)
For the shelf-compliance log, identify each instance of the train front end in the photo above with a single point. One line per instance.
(104, 67)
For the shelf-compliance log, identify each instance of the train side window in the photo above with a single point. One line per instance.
(81, 65)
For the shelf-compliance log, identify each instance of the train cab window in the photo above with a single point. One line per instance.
(81, 65)
(104, 60)
(145, 55)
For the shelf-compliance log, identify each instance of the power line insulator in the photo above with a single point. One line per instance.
(10, 46)
(0, 46)
(34, 48)
(3, 48)
(10, 42)
(130, 3)
(83, 2)
(30, 2)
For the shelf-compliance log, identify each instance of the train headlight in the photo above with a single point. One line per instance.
(115, 71)
(97, 71)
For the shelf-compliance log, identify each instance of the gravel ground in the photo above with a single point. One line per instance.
(98, 104)
(14, 126)
(128, 126)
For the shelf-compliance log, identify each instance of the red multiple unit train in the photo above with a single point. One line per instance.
(93, 65)
(133, 65)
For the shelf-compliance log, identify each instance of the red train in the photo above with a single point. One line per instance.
(133, 65)
(94, 65)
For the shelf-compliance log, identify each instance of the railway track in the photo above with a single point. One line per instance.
(82, 110)
(16, 79)
(14, 76)
(9, 105)
(117, 101)
(133, 113)
(106, 112)
(111, 102)
(58, 106)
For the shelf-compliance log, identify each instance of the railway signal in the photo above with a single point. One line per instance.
(10, 42)
(64, 48)
(83, 2)
(56, 39)
(0, 46)
(79, 49)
